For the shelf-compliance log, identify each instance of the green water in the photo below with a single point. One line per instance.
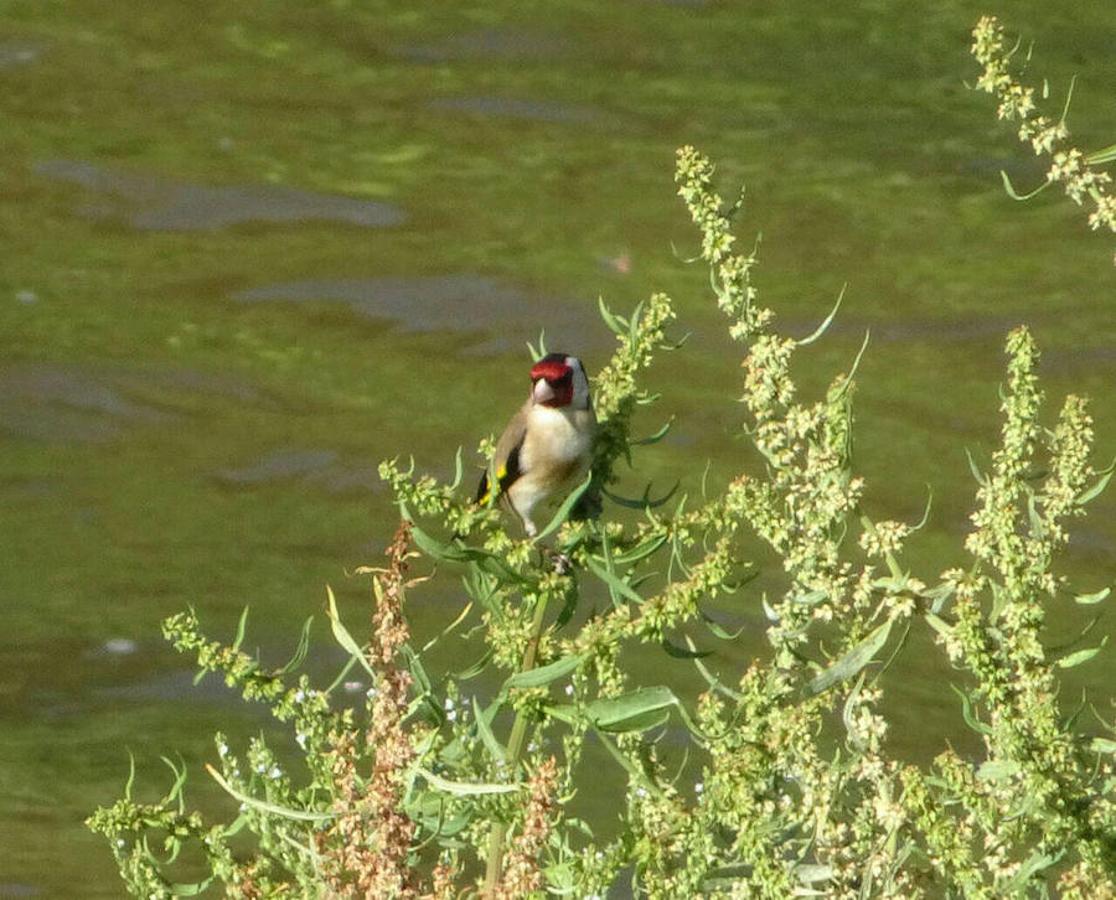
(250, 249)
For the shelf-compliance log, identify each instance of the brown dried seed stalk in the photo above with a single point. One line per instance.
(522, 875)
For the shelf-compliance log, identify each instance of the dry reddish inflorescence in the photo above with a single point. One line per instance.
(365, 851)
(521, 869)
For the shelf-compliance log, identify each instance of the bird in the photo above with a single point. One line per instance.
(548, 444)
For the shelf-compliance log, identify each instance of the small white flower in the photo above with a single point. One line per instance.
(301, 738)
(699, 787)
(451, 715)
(300, 695)
(449, 704)
(275, 772)
(569, 690)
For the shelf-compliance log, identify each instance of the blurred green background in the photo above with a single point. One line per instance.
(250, 249)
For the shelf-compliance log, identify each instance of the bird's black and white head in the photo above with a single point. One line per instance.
(559, 381)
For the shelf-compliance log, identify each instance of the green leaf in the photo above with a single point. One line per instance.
(682, 653)
(637, 774)
(654, 438)
(719, 630)
(1015, 195)
(192, 889)
(301, 815)
(449, 628)
(299, 656)
(634, 321)
(610, 319)
(458, 552)
(853, 661)
(1102, 482)
(482, 718)
(1099, 157)
(1081, 656)
(938, 624)
(808, 874)
(465, 788)
(968, 714)
(998, 770)
(643, 503)
(564, 510)
(1034, 864)
(1090, 599)
(458, 471)
(640, 551)
(342, 636)
(980, 479)
(713, 681)
(637, 710)
(1103, 745)
(616, 584)
(476, 668)
(821, 329)
(241, 627)
(417, 669)
(544, 675)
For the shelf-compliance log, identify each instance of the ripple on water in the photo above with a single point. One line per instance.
(18, 889)
(489, 43)
(154, 203)
(18, 53)
(460, 302)
(52, 402)
(316, 467)
(518, 108)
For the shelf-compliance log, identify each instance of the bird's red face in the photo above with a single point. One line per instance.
(552, 378)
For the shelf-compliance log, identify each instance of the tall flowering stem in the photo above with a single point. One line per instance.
(1070, 166)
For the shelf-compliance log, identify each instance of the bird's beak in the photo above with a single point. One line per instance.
(542, 391)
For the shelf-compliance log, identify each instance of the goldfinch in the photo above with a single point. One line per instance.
(547, 445)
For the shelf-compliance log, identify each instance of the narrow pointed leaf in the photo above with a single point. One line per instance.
(635, 711)
(613, 323)
(719, 630)
(821, 329)
(1089, 494)
(342, 636)
(544, 675)
(640, 551)
(465, 788)
(285, 812)
(682, 653)
(241, 627)
(1081, 656)
(1099, 157)
(1014, 194)
(968, 714)
(613, 581)
(853, 661)
(476, 668)
(565, 509)
(1090, 599)
(482, 718)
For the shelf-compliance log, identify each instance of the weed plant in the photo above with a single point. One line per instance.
(436, 788)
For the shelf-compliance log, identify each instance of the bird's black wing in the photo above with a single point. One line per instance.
(506, 475)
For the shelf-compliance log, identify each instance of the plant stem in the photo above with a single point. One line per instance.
(499, 831)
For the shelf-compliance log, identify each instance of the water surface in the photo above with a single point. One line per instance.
(249, 251)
